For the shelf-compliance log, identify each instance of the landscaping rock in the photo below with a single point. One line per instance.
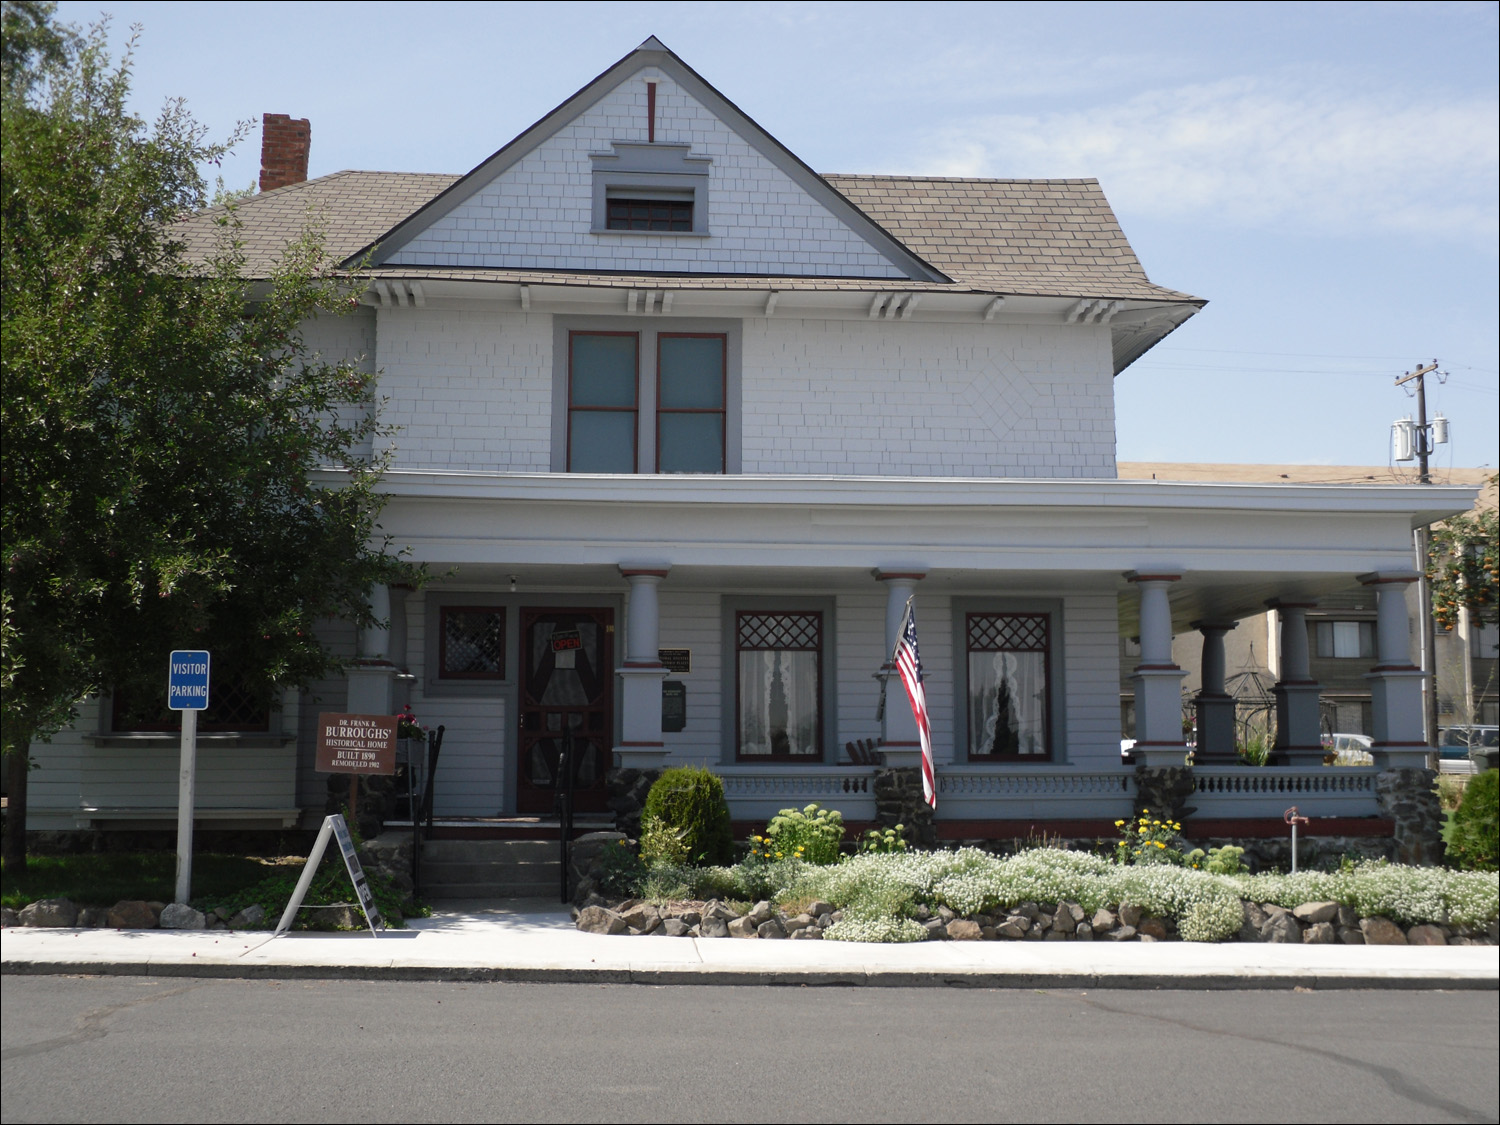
(945, 915)
(1381, 931)
(1426, 935)
(1348, 917)
(713, 928)
(742, 927)
(771, 928)
(50, 912)
(1255, 920)
(761, 912)
(1281, 929)
(800, 922)
(1320, 933)
(1063, 921)
(1122, 933)
(1351, 935)
(1153, 928)
(642, 918)
(181, 916)
(9, 917)
(717, 911)
(1012, 929)
(252, 915)
(961, 929)
(598, 920)
(340, 916)
(1130, 915)
(935, 929)
(1027, 910)
(1084, 932)
(93, 917)
(812, 933)
(132, 914)
(675, 927)
(1103, 920)
(817, 907)
(1312, 913)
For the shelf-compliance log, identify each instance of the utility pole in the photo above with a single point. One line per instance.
(1423, 438)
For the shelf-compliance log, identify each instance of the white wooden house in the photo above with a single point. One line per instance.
(656, 382)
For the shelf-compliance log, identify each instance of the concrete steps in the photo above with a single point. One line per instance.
(490, 869)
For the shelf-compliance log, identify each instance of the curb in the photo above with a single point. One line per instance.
(1212, 981)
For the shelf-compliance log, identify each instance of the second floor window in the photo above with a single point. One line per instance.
(1346, 639)
(673, 421)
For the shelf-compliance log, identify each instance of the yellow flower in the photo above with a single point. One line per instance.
(1119, 824)
(1158, 843)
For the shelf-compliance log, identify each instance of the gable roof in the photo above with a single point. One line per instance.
(1045, 238)
(654, 54)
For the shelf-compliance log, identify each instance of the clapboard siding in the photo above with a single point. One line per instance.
(691, 619)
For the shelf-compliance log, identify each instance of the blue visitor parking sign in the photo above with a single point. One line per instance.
(187, 681)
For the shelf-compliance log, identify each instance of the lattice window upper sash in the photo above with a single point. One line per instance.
(1007, 632)
(781, 631)
(473, 642)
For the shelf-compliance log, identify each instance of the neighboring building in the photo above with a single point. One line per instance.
(682, 425)
(1341, 628)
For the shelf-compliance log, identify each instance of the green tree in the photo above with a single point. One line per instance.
(178, 469)
(1462, 567)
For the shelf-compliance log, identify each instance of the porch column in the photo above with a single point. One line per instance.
(1157, 680)
(1215, 705)
(640, 745)
(372, 679)
(899, 741)
(1299, 740)
(1395, 682)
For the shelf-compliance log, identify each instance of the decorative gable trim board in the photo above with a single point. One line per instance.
(652, 53)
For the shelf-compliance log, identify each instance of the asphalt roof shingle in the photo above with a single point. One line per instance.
(1024, 237)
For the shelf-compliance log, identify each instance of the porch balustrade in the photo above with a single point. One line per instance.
(759, 792)
(1034, 793)
(1241, 791)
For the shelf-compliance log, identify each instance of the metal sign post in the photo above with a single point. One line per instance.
(187, 691)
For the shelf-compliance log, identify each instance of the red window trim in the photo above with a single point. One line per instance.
(635, 437)
(722, 411)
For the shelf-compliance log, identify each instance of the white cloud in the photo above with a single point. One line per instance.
(1257, 152)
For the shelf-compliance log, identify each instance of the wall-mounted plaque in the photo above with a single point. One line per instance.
(679, 660)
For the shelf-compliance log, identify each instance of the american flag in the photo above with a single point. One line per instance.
(909, 665)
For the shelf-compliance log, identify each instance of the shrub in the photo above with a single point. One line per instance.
(662, 845)
(689, 801)
(812, 835)
(1475, 840)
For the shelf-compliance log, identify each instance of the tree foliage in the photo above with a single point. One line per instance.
(1462, 567)
(161, 413)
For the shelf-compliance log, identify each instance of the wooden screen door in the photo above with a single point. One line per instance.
(567, 683)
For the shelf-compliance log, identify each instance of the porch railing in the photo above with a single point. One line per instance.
(760, 792)
(1042, 793)
(1240, 791)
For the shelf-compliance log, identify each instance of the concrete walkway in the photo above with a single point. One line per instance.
(531, 940)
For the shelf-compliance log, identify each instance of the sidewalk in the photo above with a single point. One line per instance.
(532, 940)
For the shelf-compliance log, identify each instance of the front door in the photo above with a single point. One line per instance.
(567, 684)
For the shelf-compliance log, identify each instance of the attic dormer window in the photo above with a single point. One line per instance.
(636, 209)
(650, 189)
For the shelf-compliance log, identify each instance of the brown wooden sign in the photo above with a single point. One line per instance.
(356, 743)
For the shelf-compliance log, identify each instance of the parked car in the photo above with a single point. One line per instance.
(1351, 749)
(1466, 749)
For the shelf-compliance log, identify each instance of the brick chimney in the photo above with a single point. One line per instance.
(284, 143)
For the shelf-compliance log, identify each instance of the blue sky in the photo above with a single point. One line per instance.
(1325, 174)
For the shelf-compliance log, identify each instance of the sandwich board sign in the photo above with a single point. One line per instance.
(187, 691)
(334, 825)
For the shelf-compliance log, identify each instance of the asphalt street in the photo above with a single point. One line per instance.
(159, 1049)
